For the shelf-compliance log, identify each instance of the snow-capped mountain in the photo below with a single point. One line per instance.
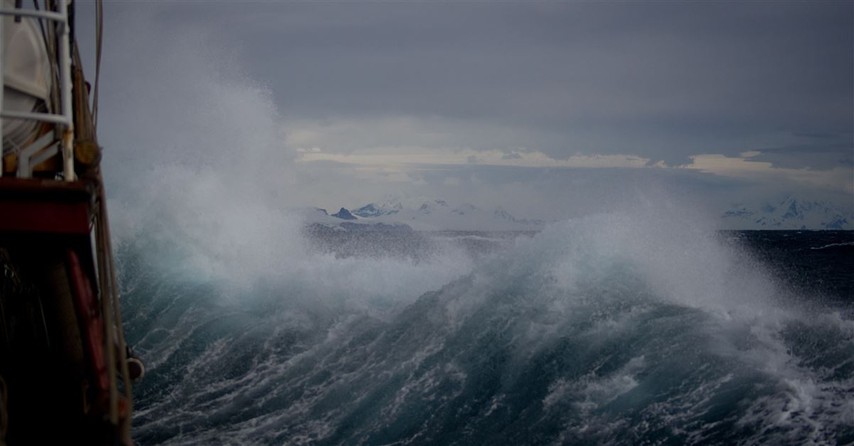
(375, 210)
(429, 215)
(318, 221)
(441, 215)
(790, 213)
(344, 214)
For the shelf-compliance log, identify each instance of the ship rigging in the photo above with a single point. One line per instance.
(65, 369)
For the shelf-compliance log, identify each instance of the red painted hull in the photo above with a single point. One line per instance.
(54, 358)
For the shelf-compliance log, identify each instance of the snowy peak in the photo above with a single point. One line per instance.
(437, 214)
(344, 214)
(464, 209)
(373, 210)
(430, 207)
(790, 213)
(368, 210)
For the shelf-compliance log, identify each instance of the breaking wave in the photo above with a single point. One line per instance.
(638, 327)
(619, 328)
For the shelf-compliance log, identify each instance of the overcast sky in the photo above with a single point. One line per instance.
(523, 104)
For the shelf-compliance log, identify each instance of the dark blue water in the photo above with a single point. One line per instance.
(818, 264)
(596, 331)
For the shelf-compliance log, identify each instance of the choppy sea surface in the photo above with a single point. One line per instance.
(593, 331)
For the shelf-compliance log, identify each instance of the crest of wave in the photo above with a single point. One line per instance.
(201, 178)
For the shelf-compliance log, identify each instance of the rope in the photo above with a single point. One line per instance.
(116, 317)
(99, 40)
(112, 317)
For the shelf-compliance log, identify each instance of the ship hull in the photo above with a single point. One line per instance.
(52, 359)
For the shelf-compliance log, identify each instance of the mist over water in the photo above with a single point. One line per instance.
(618, 328)
(641, 324)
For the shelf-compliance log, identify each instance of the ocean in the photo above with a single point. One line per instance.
(600, 330)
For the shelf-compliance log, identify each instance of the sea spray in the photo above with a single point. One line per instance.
(627, 327)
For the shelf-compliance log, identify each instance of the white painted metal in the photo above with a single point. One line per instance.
(33, 154)
(44, 117)
(55, 16)
(65, 90)
(62, 117)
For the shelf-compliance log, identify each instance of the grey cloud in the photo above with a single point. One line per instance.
(823, 152)
(659, 80)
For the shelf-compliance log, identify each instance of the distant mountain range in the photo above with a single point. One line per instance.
(790, 213)
(426, 215)
(436, 215)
